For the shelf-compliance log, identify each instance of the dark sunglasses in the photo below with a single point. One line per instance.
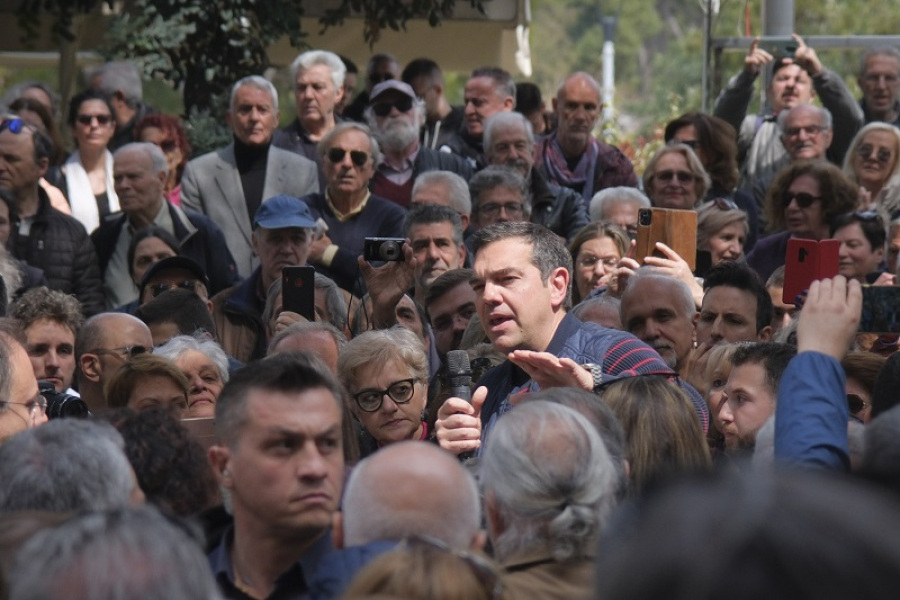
(682, 176)
(358, 157)
(88, 119)
(383, 109)
(168, 145)
(867, 151)
(803, 199)
(692, 144)
(856, 403)
(14, 125)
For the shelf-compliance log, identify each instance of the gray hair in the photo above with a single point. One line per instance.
(327, 139)
(597, 302)
(6, 372)
(302, 328)
(684, 296)
(823, 113)
(430, 214)
(152, 151)
(616, 195)
(178, 345)
(586, 77)
(848, 170)
(308, 60)
(380, 346)
(494, 176)
(114, 555)
(121, 76)
(551, 479)
(418, 106)
(430, 481)
(504, 86)
(505, 120)
(460, 199)
(880, 51)
(258, 82)
(66, 465)
(15, 92)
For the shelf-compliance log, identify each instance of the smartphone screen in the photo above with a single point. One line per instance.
(298, 291)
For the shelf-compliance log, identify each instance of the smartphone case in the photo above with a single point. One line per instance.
(675, 228)
(807, 261)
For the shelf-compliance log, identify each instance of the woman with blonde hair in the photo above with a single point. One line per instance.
(722, 229)
(872, 162)
(596, 250)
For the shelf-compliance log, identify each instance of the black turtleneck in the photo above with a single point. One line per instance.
(251, 164)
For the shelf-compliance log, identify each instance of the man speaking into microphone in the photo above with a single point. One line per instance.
(521, 279)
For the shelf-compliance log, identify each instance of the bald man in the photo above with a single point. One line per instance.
(405, 489)
(572, 157)
(104, 343)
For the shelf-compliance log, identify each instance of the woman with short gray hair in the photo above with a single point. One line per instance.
(205, 364)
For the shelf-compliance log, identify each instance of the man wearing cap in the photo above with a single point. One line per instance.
(139, 174)
(396, 116)
(282, 236)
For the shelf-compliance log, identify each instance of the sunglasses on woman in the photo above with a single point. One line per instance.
(683, 176)
(882, 155)
(804, 200)
(88, 119)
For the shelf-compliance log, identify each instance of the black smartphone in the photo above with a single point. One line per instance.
(779, 47)
(298, 291)
(377, 249)
(881, 309)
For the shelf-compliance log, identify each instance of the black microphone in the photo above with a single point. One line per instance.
(459, 374)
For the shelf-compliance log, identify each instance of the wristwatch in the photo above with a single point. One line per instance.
(596, 372)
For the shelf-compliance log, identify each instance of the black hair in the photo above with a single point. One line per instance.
(772, 356)
(150, 231)
(742, 277)
(184, 308)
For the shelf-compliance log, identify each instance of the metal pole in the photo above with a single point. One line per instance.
(778, 17)
(609, 67)
(707, 40)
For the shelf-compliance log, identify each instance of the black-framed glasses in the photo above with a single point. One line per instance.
(487, 574)
(491, 209)
(882, 155)
(856, 404)
(123, 352)
(88, 119)
(589, 261)
(400, 392)
(669, 175)
(158, 288)
(804, 200)
(724, 204)
(358, 157)
(383, 109)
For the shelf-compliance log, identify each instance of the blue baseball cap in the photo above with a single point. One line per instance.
(280, 212)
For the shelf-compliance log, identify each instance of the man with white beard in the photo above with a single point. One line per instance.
(395, 116)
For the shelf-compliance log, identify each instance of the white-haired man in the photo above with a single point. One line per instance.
(396, 116)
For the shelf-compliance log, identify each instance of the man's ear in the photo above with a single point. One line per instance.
(220, 461)
(479, 541)
(764, 334)
(695, 319)
(90, 367)
(465, 222)
(559, 286)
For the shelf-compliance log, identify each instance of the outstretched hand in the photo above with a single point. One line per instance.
(756, 58)
(675, 266)
(549, 371)
(830, 317)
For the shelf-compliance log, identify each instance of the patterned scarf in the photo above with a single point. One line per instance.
(558, 169)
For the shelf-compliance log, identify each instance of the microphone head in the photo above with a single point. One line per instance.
(458, 362)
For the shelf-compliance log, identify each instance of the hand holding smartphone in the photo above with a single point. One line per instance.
(298, 291)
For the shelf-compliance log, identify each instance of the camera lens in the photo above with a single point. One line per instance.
(390, 251)
(61, 405)
(645, 217)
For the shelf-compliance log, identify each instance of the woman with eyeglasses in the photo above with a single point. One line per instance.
(386, 373)
(862, 236)
(715, 143)
(801, 202)
(675, 178)
(89, 169)
(596, 251)
(722, 230)
(872, 163)
(166, 132)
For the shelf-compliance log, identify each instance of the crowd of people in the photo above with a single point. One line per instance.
(500, 400)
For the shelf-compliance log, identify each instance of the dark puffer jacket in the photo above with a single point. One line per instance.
(62, 249)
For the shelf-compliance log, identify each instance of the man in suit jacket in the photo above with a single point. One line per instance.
(229, 185)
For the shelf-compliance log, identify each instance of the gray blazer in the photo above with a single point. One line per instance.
(211, 185)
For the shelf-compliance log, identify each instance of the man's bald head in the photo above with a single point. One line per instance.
(411, 488)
